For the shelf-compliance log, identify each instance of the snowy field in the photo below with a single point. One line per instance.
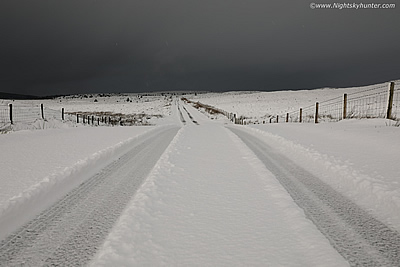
(210, 199)
(260, 106)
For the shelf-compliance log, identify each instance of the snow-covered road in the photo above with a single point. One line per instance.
(211, 202)
(69, 232)
(356, 235)
(200, 192)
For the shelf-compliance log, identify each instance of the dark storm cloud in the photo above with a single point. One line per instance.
(60, 47)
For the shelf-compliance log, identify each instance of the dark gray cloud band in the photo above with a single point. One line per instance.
(61, 47)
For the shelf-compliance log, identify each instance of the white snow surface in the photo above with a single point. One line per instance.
(358, 158)
(208, 200)
(258, 106)
(36, 163)
(203, 206)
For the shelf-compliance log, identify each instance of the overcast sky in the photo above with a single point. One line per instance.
(52, 47)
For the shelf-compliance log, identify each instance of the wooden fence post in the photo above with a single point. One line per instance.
(344, 106)
(11, 114)
(84, 118)
(62, 113)
(390, 101)
(92, 120)
(287, 117)
(98, 121)
(270, 119)
(301, 115)
(316, 112)
(41, 108)
(277, 118)
(77, 118)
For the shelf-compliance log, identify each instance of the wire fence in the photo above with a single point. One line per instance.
(381, 101)
(4, 115)
(54, 114)
(369, 104)
(25, 115)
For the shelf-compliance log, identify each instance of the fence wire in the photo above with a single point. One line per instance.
(52, 114)
(369, 90)
(26, 114)
(30, 114)
(307, 115)
(4, 115)
(368, 103)
(372, 105)
(331, 112)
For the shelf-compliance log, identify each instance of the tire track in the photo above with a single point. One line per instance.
(360, 238)
(70, 231)
(190, 116)
(181, 115)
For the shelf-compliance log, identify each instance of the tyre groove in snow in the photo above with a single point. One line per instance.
(356, 235)
(181, 115)
(69, 232)
(190, 116)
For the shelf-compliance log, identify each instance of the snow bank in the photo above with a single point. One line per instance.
(359, 158)
(54, 162)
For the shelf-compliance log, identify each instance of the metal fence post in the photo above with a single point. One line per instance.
(316, 112)
(344, 106)
(62, 113)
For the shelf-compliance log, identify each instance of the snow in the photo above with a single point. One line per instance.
(36, 163)
(151, 105)
(259, 106)
(209, 200)
(202, 207)
(358, 158)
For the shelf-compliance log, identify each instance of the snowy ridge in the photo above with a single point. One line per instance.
(22, 207)
(376, 197)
